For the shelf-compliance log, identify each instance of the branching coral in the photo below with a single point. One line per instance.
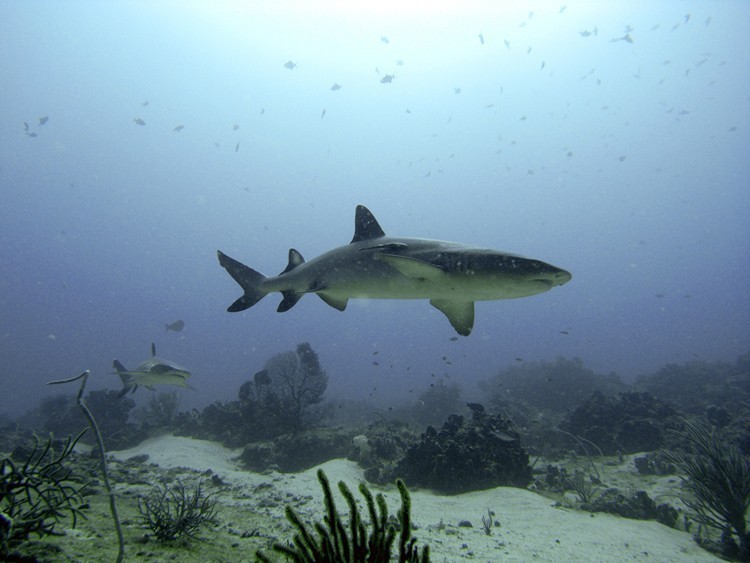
(335, 543)
(36, 495)
(173, 512)
(717, 480)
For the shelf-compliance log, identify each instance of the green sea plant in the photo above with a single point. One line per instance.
(717, 484)
(174, 512)
(36, 494)
(333, 542)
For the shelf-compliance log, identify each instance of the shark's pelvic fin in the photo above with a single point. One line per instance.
(459, 313)
(126, 377)
(339, 304)
(290, 300)
(366, 227)
(249, 280)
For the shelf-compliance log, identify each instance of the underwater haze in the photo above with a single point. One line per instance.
(138, 138)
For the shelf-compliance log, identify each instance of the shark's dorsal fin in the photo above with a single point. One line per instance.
(153, 349)
(366, 227)
(295, 259)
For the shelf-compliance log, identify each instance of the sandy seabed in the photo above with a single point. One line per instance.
(250, 508)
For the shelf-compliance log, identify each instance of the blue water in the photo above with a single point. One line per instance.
(625, 163)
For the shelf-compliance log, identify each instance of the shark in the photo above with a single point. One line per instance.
(450, 275)
(150, 372)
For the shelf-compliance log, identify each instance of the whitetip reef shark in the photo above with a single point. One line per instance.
(150, 372)
(374, 266)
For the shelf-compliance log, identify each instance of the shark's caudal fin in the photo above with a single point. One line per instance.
(248, 279)
(127, 379)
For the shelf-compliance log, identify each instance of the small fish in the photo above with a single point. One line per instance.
(399, 62)
(625, 38)
(543, 65)
(235, 127)
(139, 121)
(237, 146)
(31, 134)
(585, 33)
(25, 126)
(622, 158)
(387, 79)
(481, 39)
(154, 371)
(43, 120)
(507, 43)
(563, 8)
(384, 39)
(323, 114)
(336, 86)
(144, 104)
(290, 65)
(178, 128)
(176, 326)
(503, 436)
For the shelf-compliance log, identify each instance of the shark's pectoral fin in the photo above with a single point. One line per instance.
(459, 313)
(334, 302)
(289, 301)
(413, 268)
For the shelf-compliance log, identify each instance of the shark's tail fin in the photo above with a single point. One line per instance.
(248, 279)
(127, 379)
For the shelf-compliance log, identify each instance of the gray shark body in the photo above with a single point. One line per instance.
(150, 372)
(374, 266)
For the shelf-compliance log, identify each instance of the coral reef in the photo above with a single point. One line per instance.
(282, 398)
(480, 453)
(555, 387)
(381, 447)
(296, 452)
(697, 386)
(632, 504)
(60, 415)
(630, 423)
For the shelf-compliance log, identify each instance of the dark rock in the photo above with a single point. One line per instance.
(630, 423)
(481, 453)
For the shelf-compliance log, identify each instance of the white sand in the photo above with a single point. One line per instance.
(531, 528)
